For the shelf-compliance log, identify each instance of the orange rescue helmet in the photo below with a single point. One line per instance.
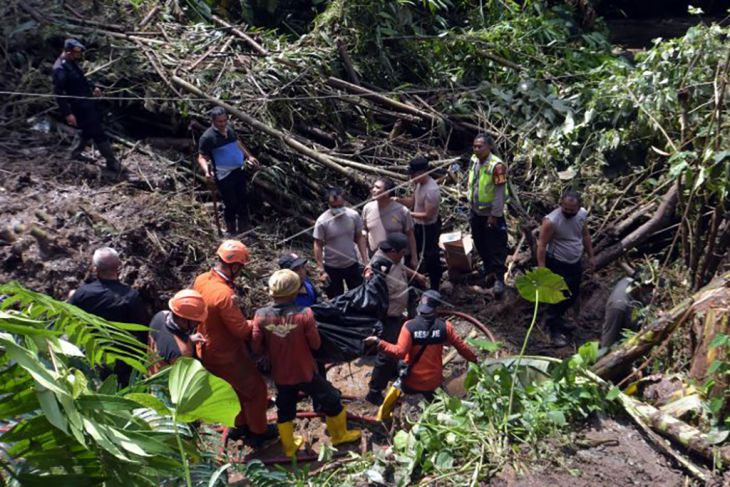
(189, 304)
(233, 252)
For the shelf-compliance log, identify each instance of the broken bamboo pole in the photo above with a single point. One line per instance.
(287, 139)
(249, 40)
(396, 105)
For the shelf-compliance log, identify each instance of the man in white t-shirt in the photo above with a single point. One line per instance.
(383, 216)
(339, 245)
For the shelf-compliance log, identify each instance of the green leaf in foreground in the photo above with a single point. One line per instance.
(542, 283)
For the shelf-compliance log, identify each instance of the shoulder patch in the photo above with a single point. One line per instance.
(500, 174)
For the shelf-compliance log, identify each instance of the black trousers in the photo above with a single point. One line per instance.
(572, 274)
(427, 244)
(386, 368)
(88, 119)
(235, 198)
(318, 388)
(352, 276)
(429, 396)
(491, 244)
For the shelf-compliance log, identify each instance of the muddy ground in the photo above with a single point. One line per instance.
(55, 212)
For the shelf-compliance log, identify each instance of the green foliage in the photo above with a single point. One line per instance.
(463, 439)
(541, 285)
(718, 375)
(70, 429)
(103, 342)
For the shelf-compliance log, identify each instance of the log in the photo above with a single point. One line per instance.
(398, 106)
(347, 61)
(679, 431)
(249, 40)
(660, 220)
(620, 358)
(271, 131)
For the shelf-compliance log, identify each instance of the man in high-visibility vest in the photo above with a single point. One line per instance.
(487, 191)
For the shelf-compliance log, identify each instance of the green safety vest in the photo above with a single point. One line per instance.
(482, 195)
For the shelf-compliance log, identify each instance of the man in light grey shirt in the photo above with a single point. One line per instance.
(563, 239)
(424, 205)
(339, 245)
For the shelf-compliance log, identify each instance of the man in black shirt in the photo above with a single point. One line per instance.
(108, 298)
(223, 157)
(173, 333)
(74, 96)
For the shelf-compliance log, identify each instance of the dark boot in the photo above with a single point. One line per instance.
(243, 224)
(231, 230)
(78, 148)
(108, 152)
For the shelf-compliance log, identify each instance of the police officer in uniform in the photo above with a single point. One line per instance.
(75, 100)
(487, 192)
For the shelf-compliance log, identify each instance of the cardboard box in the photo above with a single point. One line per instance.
(457, 248)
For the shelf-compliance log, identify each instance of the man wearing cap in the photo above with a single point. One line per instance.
(429, 333)
(487, 192)
(112, 300)
(307, 295)
(173, 333)
(224, 351)
(223, 158)
(392, 250)
(384, 216)
(425, 212)
(74, 96)
(339, 245)
(288, 333)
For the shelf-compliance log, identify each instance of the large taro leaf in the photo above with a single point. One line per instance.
(543, 285)
(199, 395)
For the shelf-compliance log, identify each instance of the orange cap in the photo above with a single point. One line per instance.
(189, 304)
(233, 252)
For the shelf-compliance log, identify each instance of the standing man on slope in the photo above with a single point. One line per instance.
(487, 192)
(224, 352)
(338, 240)
(425, 213)
(74, 94)
(222, 157)
(563, 239)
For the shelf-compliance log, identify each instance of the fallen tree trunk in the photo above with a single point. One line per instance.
(660, 220)
(277, 134)
(619, 360)
(679, 431)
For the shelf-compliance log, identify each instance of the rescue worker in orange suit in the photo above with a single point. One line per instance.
(224, 353)
(425, 330)
(173, 333)
(487, 192)
(288, 333)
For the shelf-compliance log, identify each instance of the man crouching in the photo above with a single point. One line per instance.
(288, 334)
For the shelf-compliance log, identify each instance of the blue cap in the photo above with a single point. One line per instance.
(430, 301)
(70, 44)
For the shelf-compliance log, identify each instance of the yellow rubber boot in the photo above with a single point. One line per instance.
(337, 428)
(385, 411)
(290, 442)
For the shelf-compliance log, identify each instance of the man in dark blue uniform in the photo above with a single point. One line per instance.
(75, 100)
(223, 158)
